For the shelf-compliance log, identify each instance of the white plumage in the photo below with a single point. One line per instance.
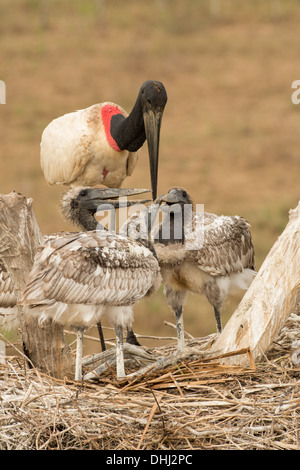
(75, 150)
(78, 278)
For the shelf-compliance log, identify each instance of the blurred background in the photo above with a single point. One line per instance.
(230, 132)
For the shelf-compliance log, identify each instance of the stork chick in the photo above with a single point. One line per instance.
(220, 264)
(78, 278)
(79, 206)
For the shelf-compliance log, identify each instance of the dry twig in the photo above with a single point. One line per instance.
(200, 404)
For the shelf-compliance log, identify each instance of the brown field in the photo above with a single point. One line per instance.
(230, 133)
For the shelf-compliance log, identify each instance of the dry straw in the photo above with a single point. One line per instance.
(194, 404)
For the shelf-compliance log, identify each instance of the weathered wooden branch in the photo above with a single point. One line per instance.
(2, 352)
(20, 237)
(269, 300)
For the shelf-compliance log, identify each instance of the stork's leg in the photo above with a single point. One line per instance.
(79, 348)
(175, 301)
(218, 319)
(215, 298)
(131, 338)
(101, 336)
(119, 352)
(180, 328)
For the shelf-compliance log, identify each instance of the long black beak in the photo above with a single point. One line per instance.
(152, 123)
(109, 198)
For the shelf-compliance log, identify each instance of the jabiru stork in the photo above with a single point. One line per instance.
(202, 253)
(99, 145)
(215, 260)
(78, 278)
(79, 206)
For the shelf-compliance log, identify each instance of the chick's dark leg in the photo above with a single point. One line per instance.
(218, 319)
(101, 336)
(215, 298)
(131, 338)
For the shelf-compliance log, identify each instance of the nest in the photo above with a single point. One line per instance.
(192, 404)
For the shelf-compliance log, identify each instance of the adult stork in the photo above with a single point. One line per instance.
(99, 144)
(213, 256)
(78, 278)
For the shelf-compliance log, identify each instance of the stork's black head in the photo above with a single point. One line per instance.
(143, 122)
(153, 94)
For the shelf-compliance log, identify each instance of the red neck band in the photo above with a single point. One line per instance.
(107, 112)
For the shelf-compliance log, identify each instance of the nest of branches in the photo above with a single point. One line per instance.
(190, 404)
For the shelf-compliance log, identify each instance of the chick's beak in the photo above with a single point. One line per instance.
(171, 197)
(109, 198)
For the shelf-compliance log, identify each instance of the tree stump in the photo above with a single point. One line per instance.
(20, 237)
(269, 300)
